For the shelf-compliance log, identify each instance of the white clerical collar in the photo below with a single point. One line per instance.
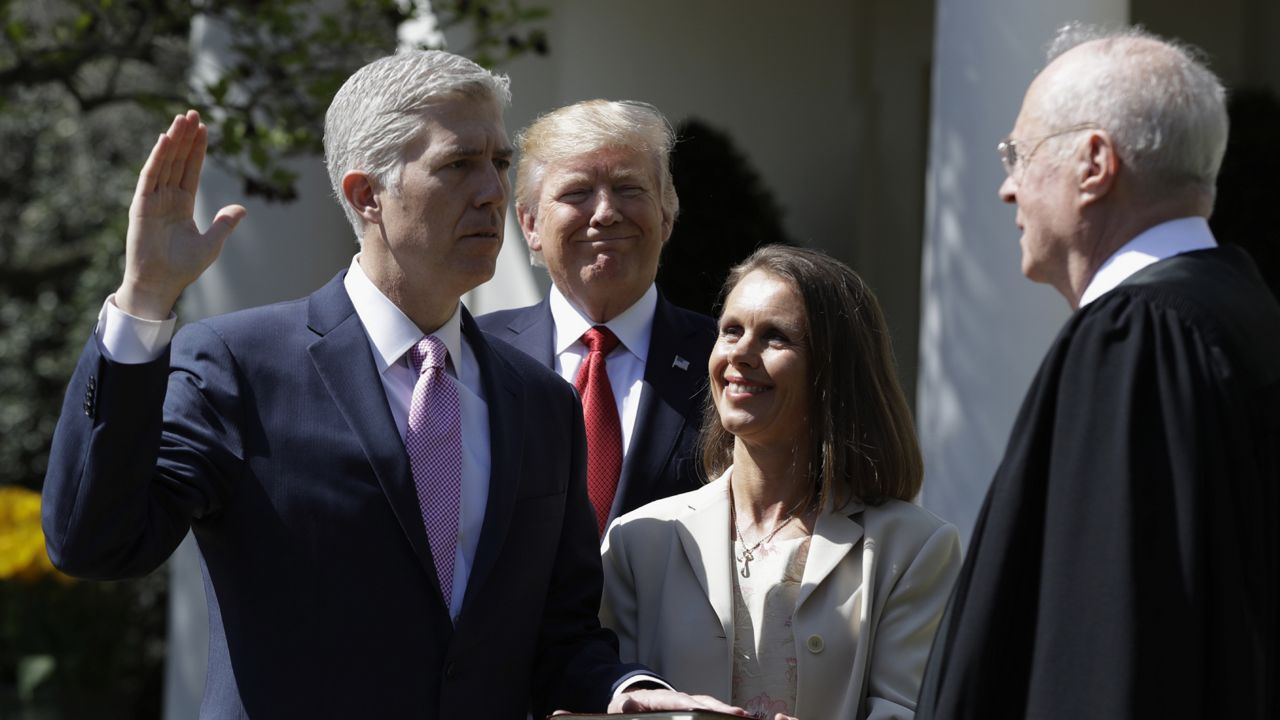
(1151, 245)
(390, 331)
(634, 326)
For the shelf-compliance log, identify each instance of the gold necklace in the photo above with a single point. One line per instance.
(748, 553)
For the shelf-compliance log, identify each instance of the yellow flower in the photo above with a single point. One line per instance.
(22, 553)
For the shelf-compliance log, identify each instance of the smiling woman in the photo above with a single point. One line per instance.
(857, 439)
(802, 581)
(759, 369)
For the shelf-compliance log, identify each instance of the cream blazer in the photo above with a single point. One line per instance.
(875, 583)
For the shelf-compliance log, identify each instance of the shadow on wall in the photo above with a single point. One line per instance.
(726, 212)
(1249, 182)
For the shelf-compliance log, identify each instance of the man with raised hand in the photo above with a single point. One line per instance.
(390, 507)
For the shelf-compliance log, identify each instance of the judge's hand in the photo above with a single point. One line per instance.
(643, 700)
(164, 250)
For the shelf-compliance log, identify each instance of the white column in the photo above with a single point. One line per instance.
(983, 328)
(515, 282)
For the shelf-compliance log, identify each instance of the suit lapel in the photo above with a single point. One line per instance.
(342, 358)
(506, 408)
(671, 383)
(533, 333)
(704, 535)
(834, 536)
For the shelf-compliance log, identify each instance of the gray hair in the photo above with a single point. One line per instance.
(1163, 108)
(378, 112)
(585, 127)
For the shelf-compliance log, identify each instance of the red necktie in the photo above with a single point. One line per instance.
(604, 431)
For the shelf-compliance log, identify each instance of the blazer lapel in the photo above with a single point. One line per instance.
(506, 407)
(343, 360)
(671, 384)
(834, 536)
(704, 535)
(533, 333)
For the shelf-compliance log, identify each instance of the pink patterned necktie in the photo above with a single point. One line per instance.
(604, 430)
(433, 440)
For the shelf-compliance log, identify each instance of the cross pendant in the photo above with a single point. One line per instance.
(747, 557)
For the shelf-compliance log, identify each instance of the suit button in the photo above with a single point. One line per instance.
(814, 643)
(449, 671)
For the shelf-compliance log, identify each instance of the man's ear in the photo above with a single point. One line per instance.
(529, 226)
(1099, 167)
(358, 189)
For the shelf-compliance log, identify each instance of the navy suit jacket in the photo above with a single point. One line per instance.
(662, 458)
(267, 433)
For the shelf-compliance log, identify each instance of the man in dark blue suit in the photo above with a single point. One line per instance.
(596, 202)
(381, 535)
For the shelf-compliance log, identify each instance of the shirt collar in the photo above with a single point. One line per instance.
(390, 331)
(1151, 245)
(634, 326)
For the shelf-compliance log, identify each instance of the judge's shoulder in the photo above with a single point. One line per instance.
(1216, 296)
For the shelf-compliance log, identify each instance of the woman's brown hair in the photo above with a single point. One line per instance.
(863, 440)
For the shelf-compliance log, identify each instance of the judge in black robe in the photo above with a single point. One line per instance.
(1125, 561)
(1124, 564)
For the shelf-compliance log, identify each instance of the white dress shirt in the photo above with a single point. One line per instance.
(633, 327)
(1151, 245)
(128, 339)
(391, 335)
(625, 366)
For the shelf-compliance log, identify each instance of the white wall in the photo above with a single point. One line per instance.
(983, 328)
(776, 76)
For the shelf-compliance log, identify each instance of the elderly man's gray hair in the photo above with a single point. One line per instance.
(379, 111)
(1163, 108)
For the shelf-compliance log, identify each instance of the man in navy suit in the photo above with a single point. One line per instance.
(596, 202)
(279, 436)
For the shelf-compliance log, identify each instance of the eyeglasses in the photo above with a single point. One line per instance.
(1008, 148)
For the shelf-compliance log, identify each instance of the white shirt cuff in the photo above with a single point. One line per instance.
(131, 340)
(637, 679)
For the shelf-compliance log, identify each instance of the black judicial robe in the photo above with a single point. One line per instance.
(1124, 564)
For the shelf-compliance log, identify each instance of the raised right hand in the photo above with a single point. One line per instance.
(164, 250)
